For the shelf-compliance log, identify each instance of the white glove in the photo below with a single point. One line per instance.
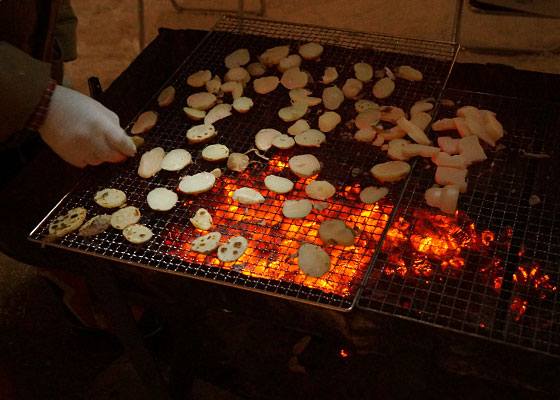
(82, 131)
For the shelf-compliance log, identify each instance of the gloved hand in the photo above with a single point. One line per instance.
(82, 131)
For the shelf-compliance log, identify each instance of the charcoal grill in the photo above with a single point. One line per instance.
(456, 296)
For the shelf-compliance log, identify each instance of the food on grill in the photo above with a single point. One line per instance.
(238, 58)
(217, 172)
(378, 141)
(304, 165)
(372, 194)
(278, 184)
(365, 135)
(476, 124)
(310, 51)
(391, 113)
(138, 141)
(364, 104)
(137, 233)
(201, 133)
(298, 127)
(390, 171)
(328, 121)
(232, 249)
(408, 73)
(493, 127)
(471, 150)
(242, 104)
(293, 112)
(291, 61)
(294, 78)
(124, 217)
(421, 106)
(310, 138)
(383, 88)
(68, 222)
(166, 97)
(202, 101)
(217, 113)
(238, 162)
(95, 225)
(233, 87)
(452, 176)
(313, 260)
(283, 141)
(368, 118)
(297, 209)
(162, 199)
(176, 160)
(395, 149)
(443, 198)
(448, 144)
(215, 152)
(110, 198)
(197, 183)
(266, 84)
(144, 123)
(363, 71)
(214, 85)
(304, 95)
(247, 195)
(352, 88)
(273, 55)
(206, 244)
(237, 74)
(415, 149)
(444, 124)
(320, 190)
(199, 79)
(194, 114)
(330, 75)
(413, 131)
(264, 138)
(442, 159)
(256, 69)
(202, 219)
(421, 119)
(335, 231)
(332, 97)
(150, 162)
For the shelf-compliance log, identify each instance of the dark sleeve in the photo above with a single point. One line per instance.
(23, 80)
(65, 33)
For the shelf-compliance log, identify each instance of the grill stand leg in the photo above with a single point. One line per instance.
(119, 315)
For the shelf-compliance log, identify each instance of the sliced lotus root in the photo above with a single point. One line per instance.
(278, 184)
(266, 84)
(162, 199)
(247, 195)
(206, 244)
(215, 152)
(238, 58)
(144, 123)
(110, 198)
(304, 165)
(202, 219)
(137, 233)
(232, 249)
(373, 194)
(68, 222)
(297, 209)
(95, 225)
(201, 133)
(124, 217)
(198, 183)
(283, 142)
(313, 260)
(202, 101)
(166, 97)
(335, 231)
(176, 160)
(150, 162)
(320, 190)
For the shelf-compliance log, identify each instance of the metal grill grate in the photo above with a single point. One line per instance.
(267, 266)
(500, 281)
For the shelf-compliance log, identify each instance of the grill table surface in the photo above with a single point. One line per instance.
(470, 295)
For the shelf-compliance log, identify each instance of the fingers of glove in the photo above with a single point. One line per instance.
(121, 142)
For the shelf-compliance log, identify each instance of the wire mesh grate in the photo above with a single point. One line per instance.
(269, 265)
(493, 270)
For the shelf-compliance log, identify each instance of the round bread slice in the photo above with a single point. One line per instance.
(176, 160)
(215, 152)
(202, 219)
(206, 244)
(247, 195)
(137, 233)
(110, 198)
(278, 184)
(95, 226)
(232, 249)
(198, 183)
(162, 199)
(297, 209)
(68, 222)
(124, 217)
(201, 133)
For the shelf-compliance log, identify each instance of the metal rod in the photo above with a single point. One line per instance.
(457, 21)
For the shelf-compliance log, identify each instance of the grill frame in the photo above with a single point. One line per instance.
(382, 50)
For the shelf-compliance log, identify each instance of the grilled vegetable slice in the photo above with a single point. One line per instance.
(68, 222)
(146, 121)
(320, 190)
(296, 209)
(176, 160)
(373, 194)
(383, 88)
(313, 260)
(166, 97)
(310, 51)
(137, 233)
(247, 195)
(215, 152)
(304, 165)
(232, 249)
(95, 225)
(206, 244)
(278, 184)
(150, 162)
(198, 183)
(390, 171)
(124, 217)
(335, 231)
(110, 198)
(199, 78)
(201, 133)
(162, 199)
(202, 219)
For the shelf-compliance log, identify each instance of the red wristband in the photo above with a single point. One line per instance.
(40, 114)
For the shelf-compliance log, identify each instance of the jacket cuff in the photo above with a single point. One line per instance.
(40, 114)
